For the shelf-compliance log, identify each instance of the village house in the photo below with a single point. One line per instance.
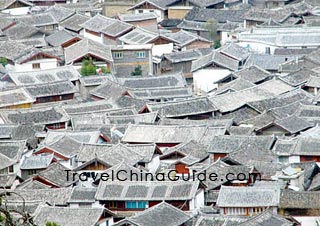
(247, 201)
(127, 57)
(52, 118)
(159, 8)
(34, 164)
(147, 21)
(186, 195)
(64, 149)
(88, 49)
(193, 108)
(22, 58)
(266, 40)
(15, 7)
(81, 216)
(170, 135)
(73, 23)
(176, 217)
(11, 154)
(297, 150)
(105, 30)
(16, 98)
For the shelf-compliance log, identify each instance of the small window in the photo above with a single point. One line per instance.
(140, 10)
(56, 126)
(141, 54)
(118, 55)
(11, 169)
(36, 66)
(32, 172)
(267, 50)
(136, 204)
(112, 204)
(142, 205)
(151, 10)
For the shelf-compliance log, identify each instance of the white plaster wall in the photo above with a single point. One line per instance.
(157, 12)
(154, 164)
(44, 64)
(294, 159)
(17, 11)
(93, 37)
(258, 47)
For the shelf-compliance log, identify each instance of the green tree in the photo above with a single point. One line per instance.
(3, 61)
(137, 71)
(51, 224)
(217, 44)
(88, 68)
(212, 26)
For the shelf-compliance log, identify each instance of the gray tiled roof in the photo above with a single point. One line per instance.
(85, 47)
(108, 90)
(188, 107)
(299, 199)
(73, 23)
(183, 38)
(15, 97)
(7, 180)
(136, 17)
(108, 26)
(59, 37)
(55, 174)
(253, 74)
(21, 30)
(147, 190)
(82, 195)
(36, 162)
(36, 116)
(267, 218)
(61, 216)
(248, 197)
(165, 134)
(160, 214)
(57, 196)
(4, 4)
(38, 20)
(228, 144)
(87, 107)
(90, 137)
(139, 36)
(171, 80)
(45, 76)
(11, 152)
(60, 13)
(51, 89)
(266, 61)
(161, 93)
(161, 4)
(300, 146)
(298, 77)
(232, 101)
(225, 61)
(65, 146)
(222, 16)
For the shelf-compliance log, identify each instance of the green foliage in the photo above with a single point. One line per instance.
(51, 224)
(3, 61)
(88, 67)
(212, 26)
(217, 44)
(137, 71)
